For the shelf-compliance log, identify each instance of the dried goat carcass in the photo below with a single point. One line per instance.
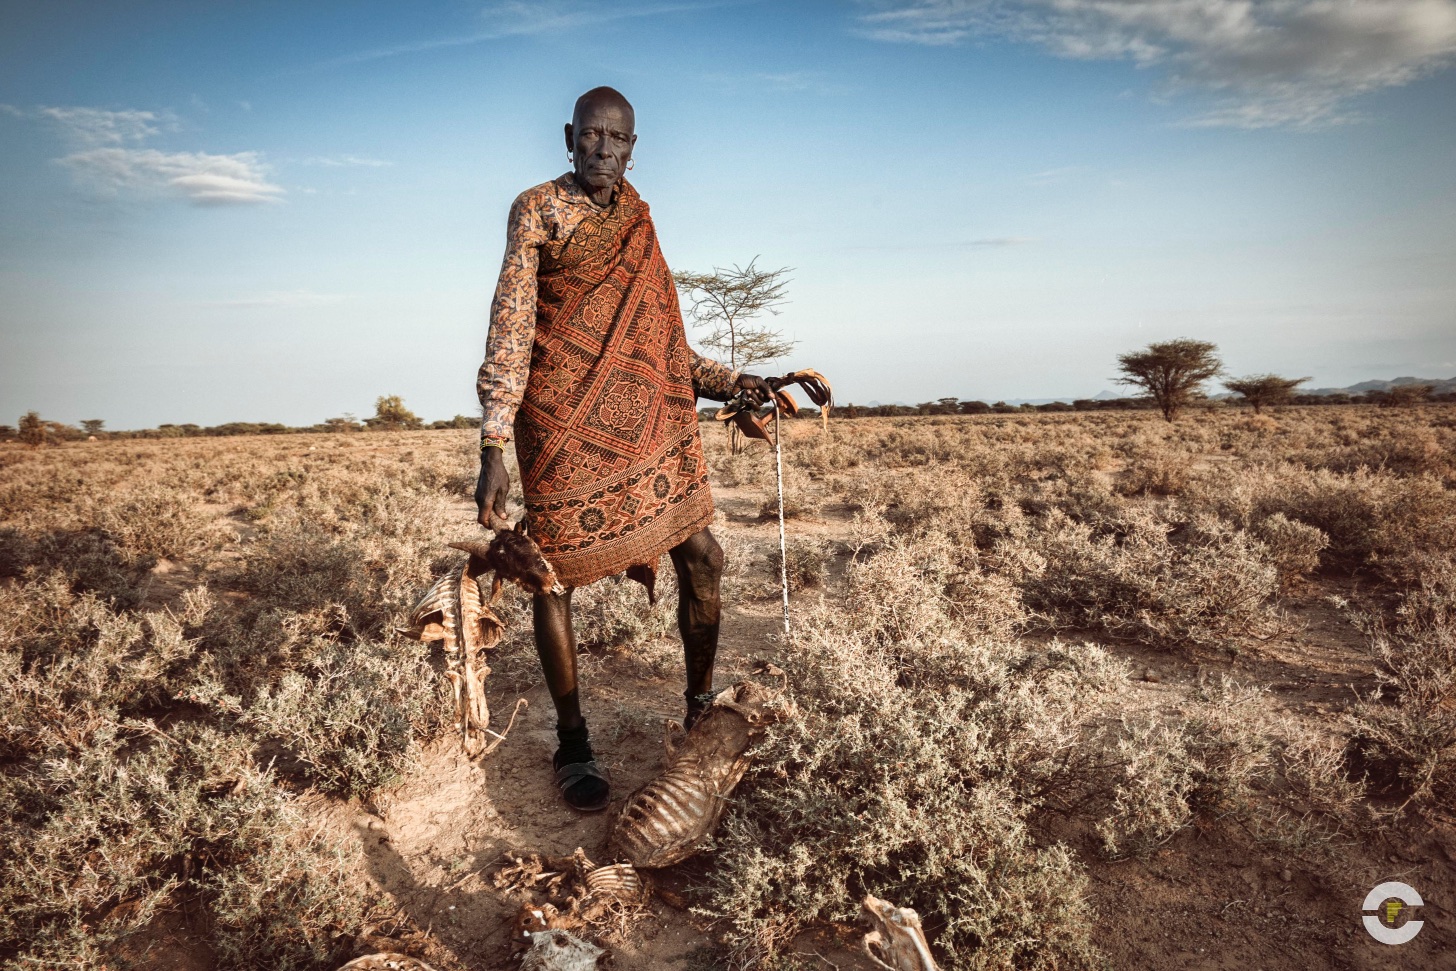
(895, 933)
(666, 820)
(456, 612)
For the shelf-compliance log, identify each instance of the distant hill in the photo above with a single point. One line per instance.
(1438, 386)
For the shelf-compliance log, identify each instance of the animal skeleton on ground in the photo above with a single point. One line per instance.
(666, 820)
(455, 611)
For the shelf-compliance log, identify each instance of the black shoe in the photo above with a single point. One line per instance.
(584, 785)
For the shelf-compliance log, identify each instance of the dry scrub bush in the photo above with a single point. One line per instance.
(910, 773)
(141, 820)
(1371, 519)
(1192, 584)
(133, 738)
(807, 561)
(1211, 762)
(1409, 725)
(1160, 472)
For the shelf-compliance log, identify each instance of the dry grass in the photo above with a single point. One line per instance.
(194, 633)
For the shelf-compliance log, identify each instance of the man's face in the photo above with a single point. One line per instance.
(601, 139)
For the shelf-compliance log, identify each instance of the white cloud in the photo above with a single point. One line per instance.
(11, 110)
(201, 178)
(1266, 62)
(95, 126)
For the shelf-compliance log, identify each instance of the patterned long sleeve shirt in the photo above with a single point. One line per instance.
(550, 211)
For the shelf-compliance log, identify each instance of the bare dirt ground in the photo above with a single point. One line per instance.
(1201, 902)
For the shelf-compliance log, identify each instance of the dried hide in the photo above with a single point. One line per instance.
(666, 820)
(895, 933)
(750, 423)
(559, 950)
(454, 613)
(386, 962)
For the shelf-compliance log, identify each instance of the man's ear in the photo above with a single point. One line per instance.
(571, 138)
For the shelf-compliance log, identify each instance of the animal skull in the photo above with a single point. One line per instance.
(895, 933)
(560, 950)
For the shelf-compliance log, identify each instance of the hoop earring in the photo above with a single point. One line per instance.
(631, 162)
(570, 158)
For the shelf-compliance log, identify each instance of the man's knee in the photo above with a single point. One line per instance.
(701, 565)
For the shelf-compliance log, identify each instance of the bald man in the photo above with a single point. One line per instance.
(587, 368)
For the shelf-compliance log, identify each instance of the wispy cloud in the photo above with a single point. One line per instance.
(520, 18)
(203, 179)
(108, 158)
(346, 161)
(1267, 63)
(97, 126)
(279, 298)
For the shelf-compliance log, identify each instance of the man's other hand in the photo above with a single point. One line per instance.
(493, 488)
(755, 387)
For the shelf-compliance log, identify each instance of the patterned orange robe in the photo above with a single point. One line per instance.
(606, 431)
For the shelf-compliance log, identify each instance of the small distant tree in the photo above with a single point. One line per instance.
(1264, 389)
(93, 426)
(390, 414)
(343, 423)
(33, 430)
(1405, 395)
(1171, 373)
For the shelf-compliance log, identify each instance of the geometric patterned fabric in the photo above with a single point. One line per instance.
(607, 433)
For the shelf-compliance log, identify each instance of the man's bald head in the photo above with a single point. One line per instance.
(600, 138)
(601, 97)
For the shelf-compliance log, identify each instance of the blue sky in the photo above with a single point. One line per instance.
(280, 211)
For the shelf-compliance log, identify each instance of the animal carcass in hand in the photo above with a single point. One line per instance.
(512, 555)
(895, 933)
(454, 612)
(666, 820)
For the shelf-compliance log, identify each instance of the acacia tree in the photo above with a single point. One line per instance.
(1172, 373)
(1404, 395)
(33, 429)
(727, 303)
(93, 426)
(1264, 389)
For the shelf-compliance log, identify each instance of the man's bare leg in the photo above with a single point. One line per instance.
(556, 646)
(698, 561)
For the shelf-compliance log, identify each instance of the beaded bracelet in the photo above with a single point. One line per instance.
(486, 443)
